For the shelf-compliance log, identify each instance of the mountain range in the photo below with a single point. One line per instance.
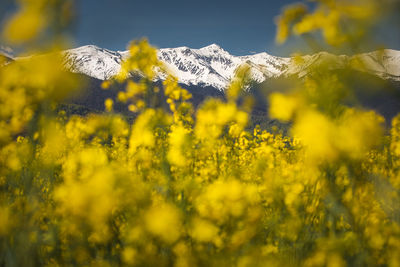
(213, 66)
(205, 72)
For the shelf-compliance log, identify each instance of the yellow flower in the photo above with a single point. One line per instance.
(204, 231)
(283, 23)
(108, 103)
(25, 26)
(317, 133)
(283, 107)
(164, 221)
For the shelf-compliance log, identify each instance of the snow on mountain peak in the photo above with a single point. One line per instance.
(208, 66)
(93, 61)
(212, 48)
(213, 66)
(384, 63)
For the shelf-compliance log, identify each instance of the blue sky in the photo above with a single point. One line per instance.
(240, 27)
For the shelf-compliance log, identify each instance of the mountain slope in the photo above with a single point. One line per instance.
(207, 66)
(213, 66)
(93, 61)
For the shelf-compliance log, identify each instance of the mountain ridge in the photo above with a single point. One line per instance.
(213, 66)
(378, 87)
(207, 66)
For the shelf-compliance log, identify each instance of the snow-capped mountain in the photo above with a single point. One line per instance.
(207, 66)
(385, 64)
(215, 67)
(93, 61)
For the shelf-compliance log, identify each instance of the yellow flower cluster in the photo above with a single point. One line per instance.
(184, 187)
(331, 18)
(33, 18)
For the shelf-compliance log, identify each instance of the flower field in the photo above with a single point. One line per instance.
(180, 186)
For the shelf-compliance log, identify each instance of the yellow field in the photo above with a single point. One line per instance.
(181, 187)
